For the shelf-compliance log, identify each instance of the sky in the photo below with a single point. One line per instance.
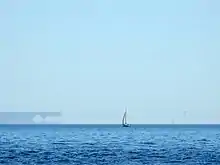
(91, 59)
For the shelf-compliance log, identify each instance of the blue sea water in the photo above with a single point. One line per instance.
(109, 144)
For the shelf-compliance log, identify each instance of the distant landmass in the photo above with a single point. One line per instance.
(29, 117)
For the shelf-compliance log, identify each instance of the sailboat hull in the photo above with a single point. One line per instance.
(125, 125)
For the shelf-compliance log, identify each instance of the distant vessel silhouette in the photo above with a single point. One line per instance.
(124, 119)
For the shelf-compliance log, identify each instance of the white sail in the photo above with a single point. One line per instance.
(124, 119)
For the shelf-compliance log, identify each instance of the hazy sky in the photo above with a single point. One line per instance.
(90, 59)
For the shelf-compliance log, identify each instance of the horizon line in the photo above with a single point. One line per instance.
(107, 124)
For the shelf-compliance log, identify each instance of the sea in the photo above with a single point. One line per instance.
(109, 144)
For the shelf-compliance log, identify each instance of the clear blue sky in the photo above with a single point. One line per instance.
(93, 58)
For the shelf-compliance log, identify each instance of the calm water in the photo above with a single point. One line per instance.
(109, 144)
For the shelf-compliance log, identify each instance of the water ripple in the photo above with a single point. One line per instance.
(102, 145)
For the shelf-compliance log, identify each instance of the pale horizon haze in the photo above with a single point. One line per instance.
(91, 59)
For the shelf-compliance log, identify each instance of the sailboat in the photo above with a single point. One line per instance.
(124, 119)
